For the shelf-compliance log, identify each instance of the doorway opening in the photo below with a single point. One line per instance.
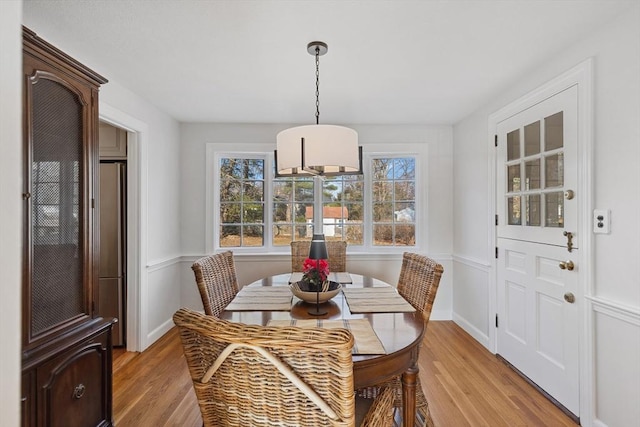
(136, 134)
(112, 204)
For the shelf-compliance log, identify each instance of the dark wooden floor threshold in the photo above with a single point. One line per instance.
(557, 404)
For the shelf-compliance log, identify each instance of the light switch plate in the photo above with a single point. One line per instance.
(601, 221)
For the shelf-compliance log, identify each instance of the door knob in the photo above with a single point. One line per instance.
(569, 297)
(568, 265)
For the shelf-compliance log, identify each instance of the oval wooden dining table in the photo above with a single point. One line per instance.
(400, 333)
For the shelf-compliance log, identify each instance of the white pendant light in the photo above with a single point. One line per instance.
(324, 150)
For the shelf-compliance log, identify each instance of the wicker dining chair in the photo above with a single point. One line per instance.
(418, 283)
(250, 375)
(217, 281)
(336, 249)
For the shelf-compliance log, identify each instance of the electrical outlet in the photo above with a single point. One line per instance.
(601, 221)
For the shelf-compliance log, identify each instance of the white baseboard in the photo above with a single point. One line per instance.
(476, 333)
(158, 332)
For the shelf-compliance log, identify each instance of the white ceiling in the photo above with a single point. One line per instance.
(389, 62)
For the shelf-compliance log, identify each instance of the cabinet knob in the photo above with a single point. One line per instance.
(78, 392)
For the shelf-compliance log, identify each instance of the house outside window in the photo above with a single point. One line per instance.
(343, 209)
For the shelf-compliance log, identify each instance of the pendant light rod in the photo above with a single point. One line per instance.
(318, 49)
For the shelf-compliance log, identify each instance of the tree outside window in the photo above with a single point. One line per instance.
(242, 216)
(394, 201)
(258, 210)
(292, 197)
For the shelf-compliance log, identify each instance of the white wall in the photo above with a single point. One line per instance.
(10, 213)
(614, 305)
(434, 142)
(158, 155)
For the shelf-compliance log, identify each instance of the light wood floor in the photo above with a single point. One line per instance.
(464, 383)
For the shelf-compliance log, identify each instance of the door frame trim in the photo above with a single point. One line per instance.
(581, 76)
(137, 205)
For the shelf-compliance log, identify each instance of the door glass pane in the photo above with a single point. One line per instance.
(553, 131)
(532, 203)
(513, 145)
(532, 174)
(513, 209)
(532, 139)
(554, 209)
(514, 178)
(554, 170)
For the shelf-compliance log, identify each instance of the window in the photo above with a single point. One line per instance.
(257, 210)
(394, 201)
(343, 209)
(292, 200)
(242, 219)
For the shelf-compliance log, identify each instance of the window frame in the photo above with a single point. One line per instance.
(368, 202)
(213, 206)
(214, 154)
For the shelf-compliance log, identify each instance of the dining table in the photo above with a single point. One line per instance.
(398, 327)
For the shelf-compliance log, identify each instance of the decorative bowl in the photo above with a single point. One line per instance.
(305, 292)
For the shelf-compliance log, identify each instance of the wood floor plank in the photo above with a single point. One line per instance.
(487, 390)
(465, 384)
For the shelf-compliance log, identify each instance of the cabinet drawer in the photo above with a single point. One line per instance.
(73, 388)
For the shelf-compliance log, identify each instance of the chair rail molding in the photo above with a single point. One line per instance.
(163, 263)
(478, 264)
(615, 309)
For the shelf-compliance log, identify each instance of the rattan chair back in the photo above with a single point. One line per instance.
(418, 282)
(217, 281)
(336, 249)
(250, 375)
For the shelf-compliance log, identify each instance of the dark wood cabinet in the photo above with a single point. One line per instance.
(66, 347)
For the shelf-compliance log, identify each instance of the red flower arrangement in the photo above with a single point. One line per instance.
(315, 272)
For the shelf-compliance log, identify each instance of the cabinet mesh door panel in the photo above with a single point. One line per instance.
(56, 205)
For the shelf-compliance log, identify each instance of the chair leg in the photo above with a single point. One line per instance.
(423, 415)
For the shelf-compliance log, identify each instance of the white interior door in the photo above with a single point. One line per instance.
(538, 328)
